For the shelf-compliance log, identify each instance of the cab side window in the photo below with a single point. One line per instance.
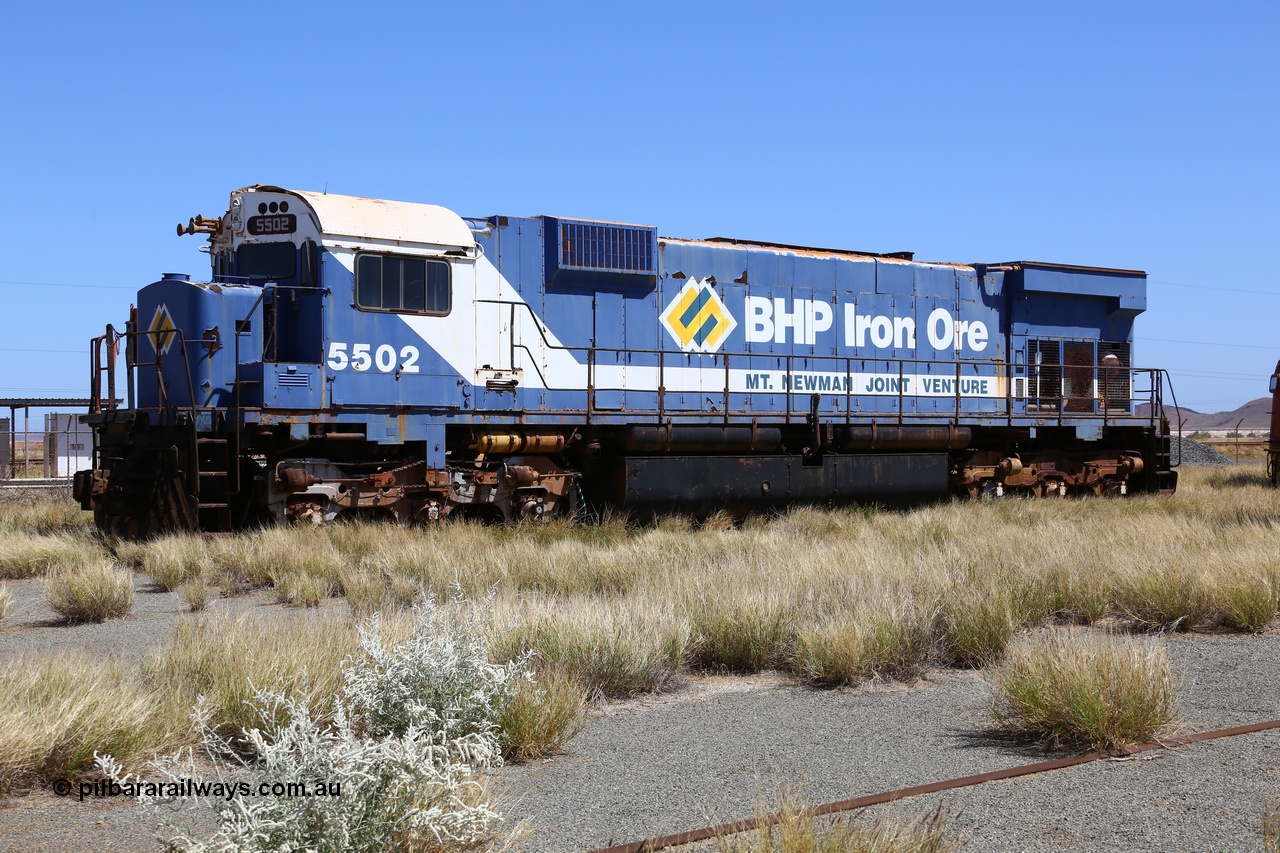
(402, 284)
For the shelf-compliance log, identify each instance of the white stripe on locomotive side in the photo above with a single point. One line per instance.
(454, 338)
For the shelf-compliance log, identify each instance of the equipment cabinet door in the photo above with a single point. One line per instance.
(494, 382)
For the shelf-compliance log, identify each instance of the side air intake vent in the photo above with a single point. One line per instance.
(598, 254)
(1044, 369)
(1114, 376)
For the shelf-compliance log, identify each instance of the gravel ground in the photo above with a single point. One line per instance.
(713, 750)
(31, 627)
(659, 766)
(40, 822)
(1195, 453)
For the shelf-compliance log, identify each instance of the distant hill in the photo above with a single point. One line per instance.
(1256, 414)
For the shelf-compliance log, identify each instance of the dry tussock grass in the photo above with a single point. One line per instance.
(25, 554)
(369, 592)
(218, 656)
(253, 560)
(196, 595)
(1067, 688)
(171, 561)
(747, 633)
(301, 590)
(56, 711)
(619, 648)
(42, 513)
(543, 715)
(831, 594)
(975, 622)
(795, 829)
(882, 635)
(93, 589)
(1271, 828)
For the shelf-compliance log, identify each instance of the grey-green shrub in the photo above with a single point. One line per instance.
(439, 678)
(414, 727)
(417, 792)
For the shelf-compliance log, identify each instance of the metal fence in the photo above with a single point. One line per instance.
(42, 441)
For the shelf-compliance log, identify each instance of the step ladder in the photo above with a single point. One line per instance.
(213, 486)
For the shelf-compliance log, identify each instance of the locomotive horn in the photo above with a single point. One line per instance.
(199, 224)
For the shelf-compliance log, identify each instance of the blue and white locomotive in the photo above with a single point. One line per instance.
(353, 355)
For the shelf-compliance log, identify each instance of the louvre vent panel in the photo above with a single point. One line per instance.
(1115, 379)
(606, 248)
(1044, 373)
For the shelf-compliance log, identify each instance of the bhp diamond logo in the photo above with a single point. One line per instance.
(698, 319)
(162, 330)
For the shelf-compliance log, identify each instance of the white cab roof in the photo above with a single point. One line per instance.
(377, 219)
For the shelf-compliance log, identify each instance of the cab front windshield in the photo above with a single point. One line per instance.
(257, 262)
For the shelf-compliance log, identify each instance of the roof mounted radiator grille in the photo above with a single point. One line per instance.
(598, 254)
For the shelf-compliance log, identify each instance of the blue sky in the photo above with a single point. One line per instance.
(1134, 135)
